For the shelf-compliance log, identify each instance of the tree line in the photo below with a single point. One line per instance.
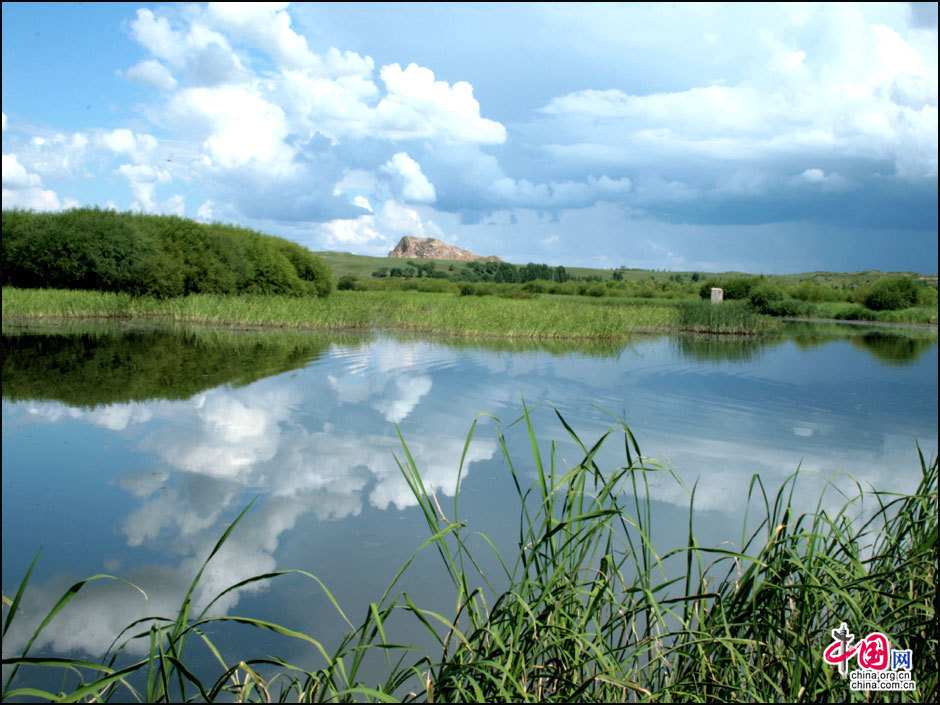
(495, 272)
(99, 249)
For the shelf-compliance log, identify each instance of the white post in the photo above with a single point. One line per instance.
(718, 295)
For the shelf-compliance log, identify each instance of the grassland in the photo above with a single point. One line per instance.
(213, 273)
(590, 610)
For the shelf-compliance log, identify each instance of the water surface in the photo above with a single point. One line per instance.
(129, 450)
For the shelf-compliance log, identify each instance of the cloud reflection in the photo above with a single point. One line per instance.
(319, 443)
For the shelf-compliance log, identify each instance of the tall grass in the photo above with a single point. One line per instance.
(587, 610)
(729, 317)
(419, 312)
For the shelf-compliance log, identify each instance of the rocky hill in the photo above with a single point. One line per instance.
(432, 248)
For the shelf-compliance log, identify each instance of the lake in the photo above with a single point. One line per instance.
(128, 450)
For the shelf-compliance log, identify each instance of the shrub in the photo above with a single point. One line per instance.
(346, 283)
(764, 295)
(787, 307)
(891, 293)
(926, 296)
(91, 248)
(817, 293)
(853, 313)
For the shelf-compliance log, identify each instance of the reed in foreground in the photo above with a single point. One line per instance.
(587, 610)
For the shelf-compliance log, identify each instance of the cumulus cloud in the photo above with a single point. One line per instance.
(874, 99)
(417, 106)
(152, 73)
(414, 185)
(143, 180)
(267, 121)
(23, 189)
(15, 175)
(242, 128)
(205, 212)
(124, 142)
(378, 231)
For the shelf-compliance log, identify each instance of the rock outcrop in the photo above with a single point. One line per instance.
(432, 248)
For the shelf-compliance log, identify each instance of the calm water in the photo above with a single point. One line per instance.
(128, 451)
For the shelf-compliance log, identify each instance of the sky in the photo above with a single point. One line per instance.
(687, 137)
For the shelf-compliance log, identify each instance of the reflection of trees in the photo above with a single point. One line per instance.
(891, 349)
(889, 345)
(900, 346)
(88, 366)
(722, 348)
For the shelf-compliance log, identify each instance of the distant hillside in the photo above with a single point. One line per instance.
(432, 248)
(345, 263)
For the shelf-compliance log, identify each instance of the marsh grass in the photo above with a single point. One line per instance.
(735, 317)
(587, 610)
(413, 311)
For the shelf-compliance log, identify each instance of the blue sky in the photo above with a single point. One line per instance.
(762, 138)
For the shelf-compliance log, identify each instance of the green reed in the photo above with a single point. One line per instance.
(543, 317)
(727, 317)
(587, 610)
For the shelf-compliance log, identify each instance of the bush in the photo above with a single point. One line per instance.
(926, 296)
(346, 283)
(91, 248)
(788, 307)
(891, 293)
(853, 313)
(765, 295)
(817, 293)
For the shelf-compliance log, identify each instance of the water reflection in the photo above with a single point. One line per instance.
(97, 365)
(893, 349)
(307, 423)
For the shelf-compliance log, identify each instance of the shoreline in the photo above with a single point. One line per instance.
(540, 318)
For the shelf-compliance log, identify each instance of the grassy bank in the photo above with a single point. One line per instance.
(541, 317)
(590, 611)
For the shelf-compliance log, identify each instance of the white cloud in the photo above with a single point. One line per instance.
(415, 186)
(124, 142)
(152, 73)
(869, 93)
(23, 188)
(15, 175)
(268, 26)
(814, 176)
(157, 36)
(32, 198)
(175, 204)
(205, 212)
(143, 180)
(376, 233)
(360, 233)
(417, 106)
(243, 128)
